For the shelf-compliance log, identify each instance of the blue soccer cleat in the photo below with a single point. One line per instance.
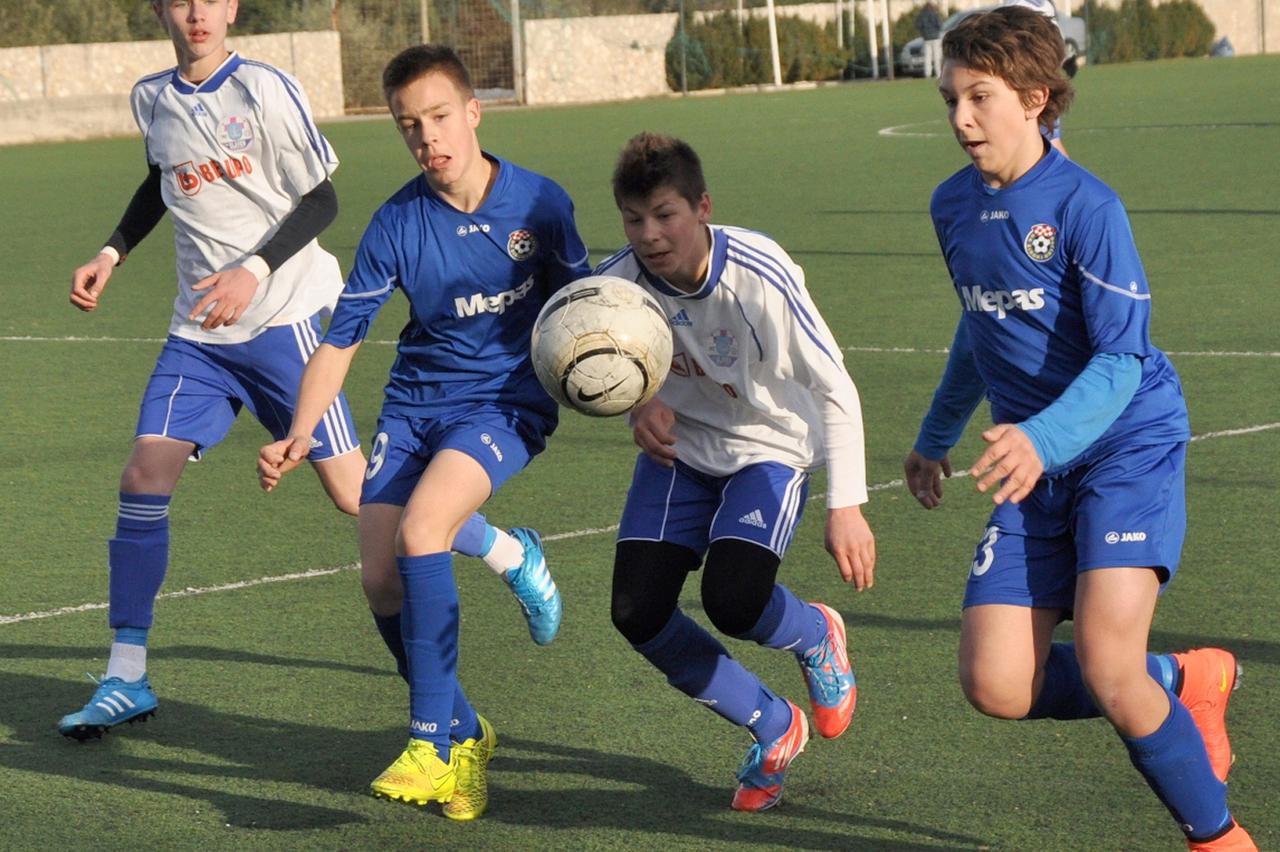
(114, 702)
(533, 587)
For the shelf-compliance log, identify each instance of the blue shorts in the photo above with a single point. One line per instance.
(197, 389)
(405, 445)
(1126, 509)
(762, 503)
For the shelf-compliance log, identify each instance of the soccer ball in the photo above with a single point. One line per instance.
(602, 346)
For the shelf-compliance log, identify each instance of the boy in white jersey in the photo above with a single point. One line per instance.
(1085, 462)
(757, 397)
(235, 157)
(476, 244)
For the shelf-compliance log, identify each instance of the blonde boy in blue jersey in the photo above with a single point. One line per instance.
(1086, 461)
(757, 398)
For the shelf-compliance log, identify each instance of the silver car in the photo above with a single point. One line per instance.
(911, 57)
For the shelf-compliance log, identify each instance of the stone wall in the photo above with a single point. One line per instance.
(609, 58)
(78, 91)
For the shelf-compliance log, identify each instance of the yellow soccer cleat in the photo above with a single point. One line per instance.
(418, 776)
(471, 796)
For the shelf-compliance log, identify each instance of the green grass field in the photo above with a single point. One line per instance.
(278, 703)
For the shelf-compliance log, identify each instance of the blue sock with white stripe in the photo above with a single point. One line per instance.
(1063, 695)
(1176, 766)
(429, 625)
(138, 557)
(788, 623)
(699, 666)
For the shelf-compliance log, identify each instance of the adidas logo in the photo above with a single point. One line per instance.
(754, 519)
(681, 318)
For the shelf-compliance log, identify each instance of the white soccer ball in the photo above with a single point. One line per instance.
(602, 346)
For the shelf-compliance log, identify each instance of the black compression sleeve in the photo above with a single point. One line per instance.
(317, 209)
(144, 212)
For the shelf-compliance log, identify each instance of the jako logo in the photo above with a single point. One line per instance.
(1000, 302)
(1118, 537)
(487, 440)
(424, 727)
(479, 303)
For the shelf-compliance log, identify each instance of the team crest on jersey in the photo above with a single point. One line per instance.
(235, 133)
(1041, 242)
(522, 244)
(724, 349)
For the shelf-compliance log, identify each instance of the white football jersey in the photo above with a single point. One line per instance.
(755, 373)
(236, 153)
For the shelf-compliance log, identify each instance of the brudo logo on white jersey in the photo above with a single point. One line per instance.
(1000, 302)
(479, 303)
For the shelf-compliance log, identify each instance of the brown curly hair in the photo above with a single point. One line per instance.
(1021, 47)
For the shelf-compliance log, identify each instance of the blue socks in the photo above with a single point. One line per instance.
(429, 625)
(788, 623)
(1176, 766)
(1063, 695)
(1172, 759)
(138, 557)
(699, 666)
(464, 723)
(475, 538)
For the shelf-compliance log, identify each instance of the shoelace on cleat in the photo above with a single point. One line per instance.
(822, 672)
(751, 772)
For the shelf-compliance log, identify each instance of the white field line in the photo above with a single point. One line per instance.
(890, 350)
(192, 591)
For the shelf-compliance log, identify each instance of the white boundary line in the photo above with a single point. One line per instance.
(906, 130)
(869, 349)
(192, 591)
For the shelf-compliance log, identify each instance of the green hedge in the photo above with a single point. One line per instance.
(1138, 30)
(720, 53)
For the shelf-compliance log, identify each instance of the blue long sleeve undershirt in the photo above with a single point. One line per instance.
(1078, 417)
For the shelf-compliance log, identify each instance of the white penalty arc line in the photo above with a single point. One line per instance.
(889, 350)
(192, 591)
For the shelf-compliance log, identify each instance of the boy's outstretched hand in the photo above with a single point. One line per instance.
(1010, 456)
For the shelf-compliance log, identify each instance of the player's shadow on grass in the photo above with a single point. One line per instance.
(242, 750)
(655, 796)
(261, 760)
(87, 656)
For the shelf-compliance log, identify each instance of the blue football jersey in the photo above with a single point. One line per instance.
(475, 283)
(1048, 276)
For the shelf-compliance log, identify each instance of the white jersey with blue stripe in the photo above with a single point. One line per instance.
(1048, 276)
(475, 284)
(236, 153)
(756, 375)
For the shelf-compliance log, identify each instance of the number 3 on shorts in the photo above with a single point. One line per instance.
(985, 554)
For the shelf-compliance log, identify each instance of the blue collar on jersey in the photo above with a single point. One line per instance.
(213, 81)
(719, 250)
(1051, 157)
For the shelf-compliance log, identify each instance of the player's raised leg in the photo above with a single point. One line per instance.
(518, 557)
(137, 559)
